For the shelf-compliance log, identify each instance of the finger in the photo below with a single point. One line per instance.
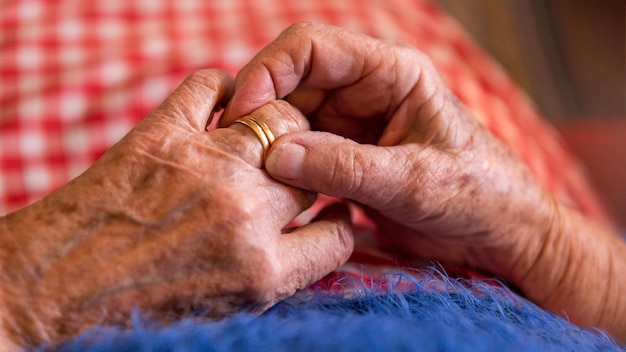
(195, 100)
(323, 58)
(240, 140)
(312, 251)
(339, 167)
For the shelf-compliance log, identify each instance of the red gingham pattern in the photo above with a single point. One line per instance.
(76, 75)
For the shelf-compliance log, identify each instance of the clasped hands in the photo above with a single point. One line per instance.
(174, 218)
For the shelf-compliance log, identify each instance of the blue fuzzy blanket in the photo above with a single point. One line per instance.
(467, 315)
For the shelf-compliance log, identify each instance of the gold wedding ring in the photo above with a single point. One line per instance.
(261, 130)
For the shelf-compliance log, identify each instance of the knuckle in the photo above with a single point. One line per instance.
(291, 118)
(343, 234)
(209, 83)
(350, 179)
(255, 265)
(244, 203)
(210, 78)
(260, 275)
(298, 29)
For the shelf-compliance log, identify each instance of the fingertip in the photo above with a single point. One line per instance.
(253, 88)
(285, 161)
(329, 164)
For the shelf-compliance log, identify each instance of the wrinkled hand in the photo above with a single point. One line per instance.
(439, 185)
(172, 219)
(437, 182)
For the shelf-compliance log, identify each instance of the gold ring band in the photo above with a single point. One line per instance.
(262, 131)
(265, 128)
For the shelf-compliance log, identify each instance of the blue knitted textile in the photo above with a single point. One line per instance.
(466, 315)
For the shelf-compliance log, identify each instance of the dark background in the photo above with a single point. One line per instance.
(569, 55)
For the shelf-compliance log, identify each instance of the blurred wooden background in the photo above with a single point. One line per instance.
(569, 55)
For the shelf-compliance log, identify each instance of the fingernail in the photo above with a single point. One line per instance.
(286, 161)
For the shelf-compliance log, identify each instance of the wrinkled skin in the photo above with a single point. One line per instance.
(170, 220)
(174, 218)
(393, 138)
(424, 168)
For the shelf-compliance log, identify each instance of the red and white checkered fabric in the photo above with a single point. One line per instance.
(76, 75)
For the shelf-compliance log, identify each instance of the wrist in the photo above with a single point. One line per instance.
(523, 235)
(575, 272)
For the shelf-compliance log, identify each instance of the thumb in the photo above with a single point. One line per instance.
(339, 167)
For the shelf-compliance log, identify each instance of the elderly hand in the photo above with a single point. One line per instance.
(172, 219)
(439, 185)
